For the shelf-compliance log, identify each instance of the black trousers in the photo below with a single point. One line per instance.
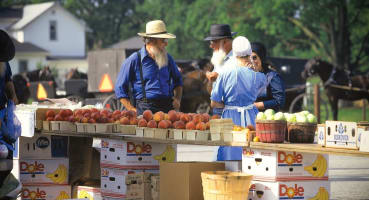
(154, 105)
(4, 174)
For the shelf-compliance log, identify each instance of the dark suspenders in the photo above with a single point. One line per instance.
(141, 77)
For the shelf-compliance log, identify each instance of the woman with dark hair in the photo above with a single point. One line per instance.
(273, 96)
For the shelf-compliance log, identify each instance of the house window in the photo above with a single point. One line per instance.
(23, 66)
(53, 30)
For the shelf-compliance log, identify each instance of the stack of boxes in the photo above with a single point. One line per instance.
(286, 175)
(41, 164)
(120, 158)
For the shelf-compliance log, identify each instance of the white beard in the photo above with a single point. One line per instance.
(160, 56)
(218, 57)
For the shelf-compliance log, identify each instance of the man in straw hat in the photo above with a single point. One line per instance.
(152, 74)
(221, 42)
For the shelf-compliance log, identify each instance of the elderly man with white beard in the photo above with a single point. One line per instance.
(150, 75)
(221, 42)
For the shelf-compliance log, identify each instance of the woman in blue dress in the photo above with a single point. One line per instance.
(273, 96)
(236, 91)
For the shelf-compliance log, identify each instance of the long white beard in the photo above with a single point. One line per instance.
(218, 57)
(160, 56)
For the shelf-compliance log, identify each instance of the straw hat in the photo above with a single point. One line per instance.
(156, 29)
(241, 47)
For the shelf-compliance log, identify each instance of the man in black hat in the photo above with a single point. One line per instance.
(221, 42)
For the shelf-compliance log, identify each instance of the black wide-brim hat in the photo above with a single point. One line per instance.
(7, 50)
(220, 31)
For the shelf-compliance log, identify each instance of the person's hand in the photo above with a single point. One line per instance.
(212, 76)
(176, 104)
(15, 100)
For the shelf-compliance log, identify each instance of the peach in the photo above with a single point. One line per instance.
(166, 116)
(104, 112)
(172, 116)
(191, 116)
(215, 117)
(185, 118)
(190, 125)
(78, 112)
(142, 123)
(116, 112)
(197, 118)
(207, 125)
(84, 111)
(72, 119)
(84, 120)
(124, 120)
(152, 124)
(205, 117)
(87, 115)
(179, 125)
(133, 121)
(250, 127)
(50, 113)
(131, 114)
(50, 119)
(169, 124)
(163, 124)
(69, 112)
(93, 110)
(58, 117)
(201, 126)
(92, 121)
(95, 115)
(159, 116)
(124, 113)
(147, 115)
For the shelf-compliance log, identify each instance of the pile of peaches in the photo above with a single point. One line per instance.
(176, 120)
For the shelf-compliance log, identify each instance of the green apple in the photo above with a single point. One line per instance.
(305, 112)
(286, 114)
(311, 118)
(269, 112)
(279, 116)
(301, 118)
(260, 116)
(291, 118)
(269, 117)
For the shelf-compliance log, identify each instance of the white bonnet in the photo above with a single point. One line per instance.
(241, 47)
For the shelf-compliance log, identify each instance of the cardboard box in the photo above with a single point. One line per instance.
(182, 180)
(341, 134)
(27, 119)
(89, 192)
(160, 133)
(197, 135)
(289, 190)
(140, 131)
(321, 135)
(113, 182)
(360, 130)
(41, 116)
(51, 192)
(149, 132)
(233, 166)
(188, 153)
(41, 146)
(364, 141)
(81, 127)
(135, 155)
(138, 186)
(104, 128)
(179, 134)
(52, 171)
(272, 165)
(155, 187)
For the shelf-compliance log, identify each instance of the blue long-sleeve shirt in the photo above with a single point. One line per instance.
(159, 83)
(274, 95)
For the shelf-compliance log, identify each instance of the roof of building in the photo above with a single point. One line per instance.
(27, 47)
(131, 43)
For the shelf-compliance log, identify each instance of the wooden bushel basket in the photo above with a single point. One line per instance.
(271, 131)
(301, 132)
(221, 185)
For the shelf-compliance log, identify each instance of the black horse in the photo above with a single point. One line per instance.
(338, 83)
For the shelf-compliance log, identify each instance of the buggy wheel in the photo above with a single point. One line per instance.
(298, 105)
(111, 102)
(76, 99)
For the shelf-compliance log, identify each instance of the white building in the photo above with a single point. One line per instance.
(53, 29)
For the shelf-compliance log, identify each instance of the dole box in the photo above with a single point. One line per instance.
(272, 165)
(32, 192)
(260, 190)
(113, 181)
(135, 155)
(39, 171)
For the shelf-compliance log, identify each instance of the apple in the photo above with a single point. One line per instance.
(279, 116)
(301, 118)
(291, 118)
(311, 118)
(286, 114)
(260, 116)
(269, 112)
(269, 117)
(305, 112)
